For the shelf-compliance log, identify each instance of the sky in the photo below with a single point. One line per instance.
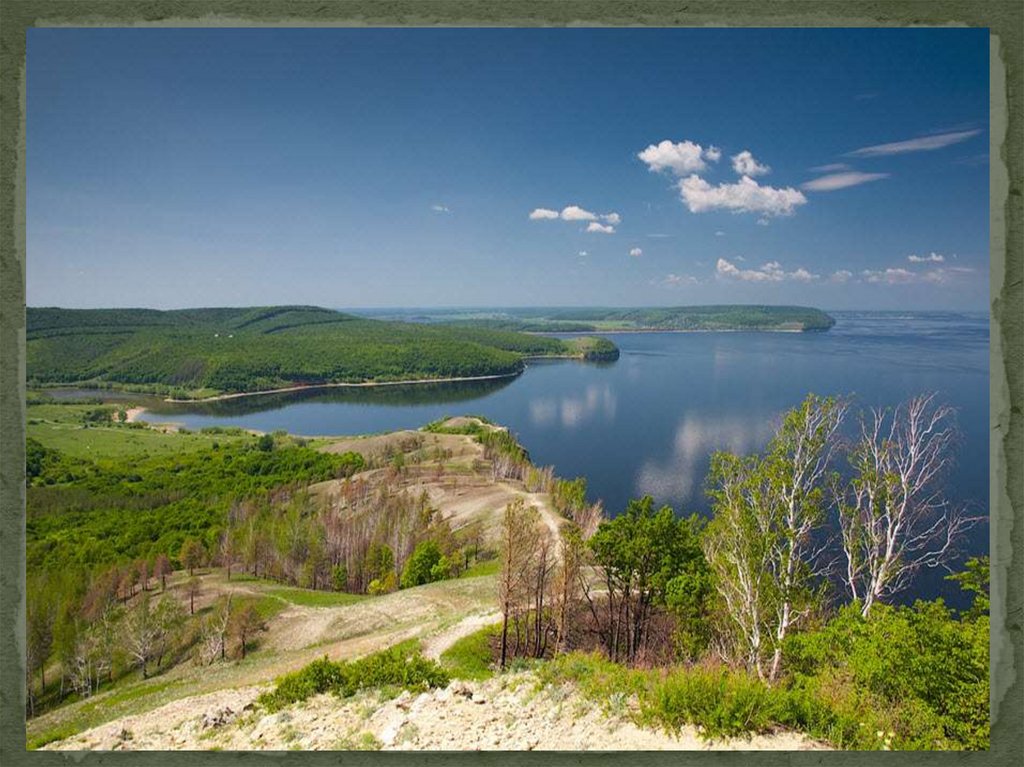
(842, 169)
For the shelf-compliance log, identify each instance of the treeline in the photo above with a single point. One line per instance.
(92, 632)
(81, 514)
(240, 350)
(790, 582)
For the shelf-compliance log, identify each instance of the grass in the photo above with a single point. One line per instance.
(60, 426)
(311, 598)
(482, 568)
(471, 656)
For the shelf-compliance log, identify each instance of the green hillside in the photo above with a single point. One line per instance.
(597, 319)
(194, 352)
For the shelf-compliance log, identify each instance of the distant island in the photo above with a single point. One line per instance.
(205, 353)
(597, 319)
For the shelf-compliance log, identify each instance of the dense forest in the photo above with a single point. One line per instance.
(597, 319)
(203, 352)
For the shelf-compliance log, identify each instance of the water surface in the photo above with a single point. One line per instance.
(647, 424)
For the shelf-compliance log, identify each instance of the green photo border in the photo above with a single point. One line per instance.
(1004, 19)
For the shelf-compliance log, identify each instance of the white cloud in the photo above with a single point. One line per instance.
(834, 167)
(841, 180)
(922, 144)
(593, 226)
(611, 218)
(719, 234)
(541, 213)
(934, 258)
(900, 276)
(745, 196)
(675, 281)
(891, 276)
(745, 164)
(841, 276)
(636, 252)
(576, 213)
(582, 253)
(440, 208)
(681, 158)
(770, 272)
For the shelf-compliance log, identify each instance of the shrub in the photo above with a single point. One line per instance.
(399, 666)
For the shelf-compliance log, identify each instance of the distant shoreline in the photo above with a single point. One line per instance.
(364, 384)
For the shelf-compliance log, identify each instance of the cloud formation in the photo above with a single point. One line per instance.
(440, 208)
(576, 213)
(680, 158)
(834, 167)
(745, 164)
(841, 181)
(636, 252)
(934, 258)
(843, 275)
(920, 144)
(676, 281)
(770, 272)
(745, 196)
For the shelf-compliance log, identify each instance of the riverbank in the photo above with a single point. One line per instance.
(361, 385)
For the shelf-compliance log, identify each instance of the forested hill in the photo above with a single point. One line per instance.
(203, 352)
(597, 319)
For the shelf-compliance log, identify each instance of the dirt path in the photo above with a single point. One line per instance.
(433, 646)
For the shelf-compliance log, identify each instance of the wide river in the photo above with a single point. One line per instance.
(648, 423)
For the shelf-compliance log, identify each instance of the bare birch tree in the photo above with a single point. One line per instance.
(894, 516)
(762, 544)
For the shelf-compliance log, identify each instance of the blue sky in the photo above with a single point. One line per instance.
(386, 168)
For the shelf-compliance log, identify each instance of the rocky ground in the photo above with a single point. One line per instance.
(506, 713)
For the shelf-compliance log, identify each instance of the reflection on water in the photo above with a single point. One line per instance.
(390, 396)
(573, 410)
(681, 474)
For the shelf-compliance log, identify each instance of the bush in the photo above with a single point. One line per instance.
(401, 666)
(419, 567)
(929, 668)
(721, 702)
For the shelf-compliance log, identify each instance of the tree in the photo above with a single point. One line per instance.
(192, 586)
(141, 632)
(245, 623)
(161, 569)
(380, 560)
(418, 568)
(142, 573)
(169, 617)
(975, 579)
(638, 553)
(339, 577)
(567, 580)
(192, 554)
(894, 516)
(227, 552)
(216, 629)
(519, 535)
(40, 617)
(768, 511)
